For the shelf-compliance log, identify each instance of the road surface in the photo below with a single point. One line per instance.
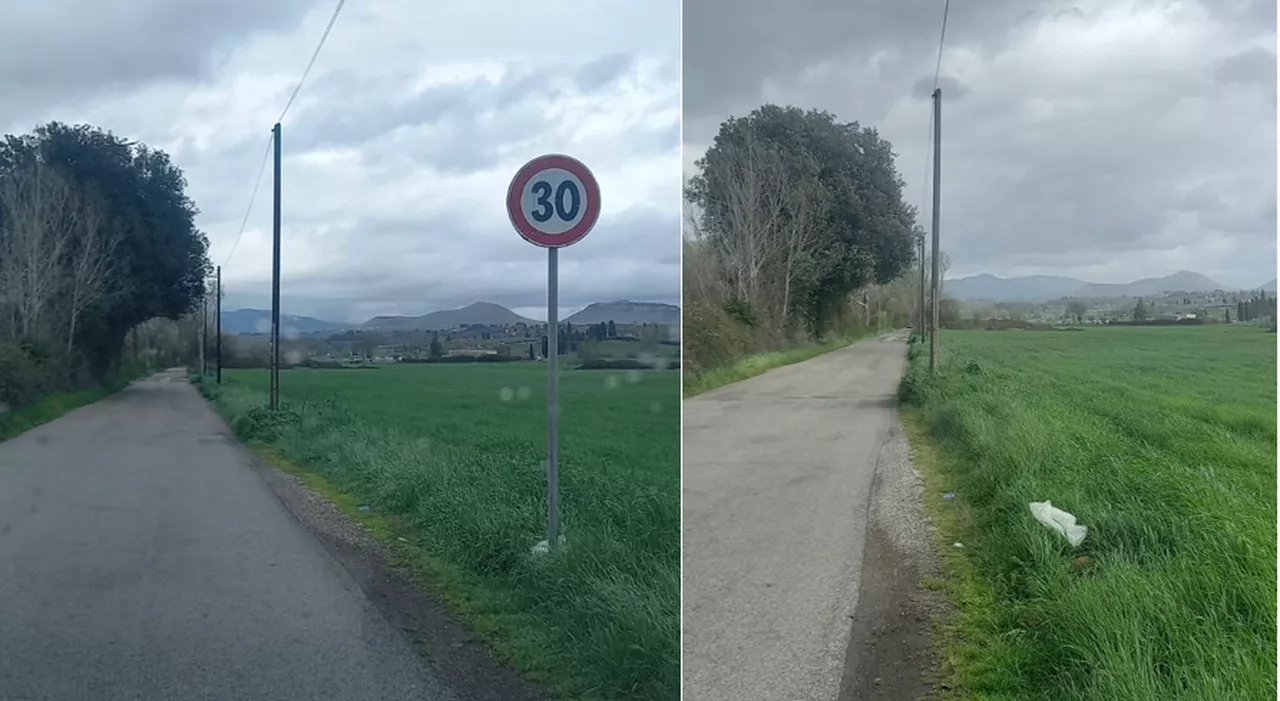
(143, 558)
(778, 481)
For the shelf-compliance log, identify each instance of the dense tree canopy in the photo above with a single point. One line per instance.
(97, 236)
(798, 210)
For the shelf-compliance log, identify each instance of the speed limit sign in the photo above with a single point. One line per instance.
(553, 201)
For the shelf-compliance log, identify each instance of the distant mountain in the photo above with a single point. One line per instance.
(1045, 288)
(628, 312)
(483, 313)
(1270, 286)
(1181, 281)
(1036, 288)
(389, 322)
(247, 321)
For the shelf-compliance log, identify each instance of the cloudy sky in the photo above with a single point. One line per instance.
(399, 149)
(1104, 139)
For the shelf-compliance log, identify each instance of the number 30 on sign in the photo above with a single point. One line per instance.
(553, 201)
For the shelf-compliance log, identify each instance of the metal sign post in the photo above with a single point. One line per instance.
(553, 201)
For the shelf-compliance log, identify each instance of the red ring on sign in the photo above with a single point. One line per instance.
(591, 205)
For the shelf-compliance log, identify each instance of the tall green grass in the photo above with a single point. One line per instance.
(457, 455)
(1163, 442)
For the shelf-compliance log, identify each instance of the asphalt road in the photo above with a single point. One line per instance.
(778, 475)
(142, 558)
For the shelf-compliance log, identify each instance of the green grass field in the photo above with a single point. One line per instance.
(455, 455)
(1163, 442)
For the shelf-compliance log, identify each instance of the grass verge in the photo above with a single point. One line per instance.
(1161, 441)
(54, 406)
(451, 460)
(760, 363)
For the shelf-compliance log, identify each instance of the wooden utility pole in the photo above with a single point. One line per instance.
(218, 324)
(937, 202)
(275, 278)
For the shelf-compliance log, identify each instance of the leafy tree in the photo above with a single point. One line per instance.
(612, 330)
(1140, 312)
(826, 211)
(156, 263)
(1077, 309)
(436, 349)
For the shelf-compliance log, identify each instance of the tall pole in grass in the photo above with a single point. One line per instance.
(217, 323)
(920, 322)
(204, 328)
(937, 203)
(275, 277)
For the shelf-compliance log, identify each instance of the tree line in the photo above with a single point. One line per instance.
(101, 263)
(795, 228)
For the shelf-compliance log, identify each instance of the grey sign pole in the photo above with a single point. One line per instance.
(553, 401)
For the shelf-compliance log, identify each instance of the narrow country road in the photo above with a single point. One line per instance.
(778, 481)
(143, 558)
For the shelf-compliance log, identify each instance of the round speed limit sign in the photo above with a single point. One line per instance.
(553, 201)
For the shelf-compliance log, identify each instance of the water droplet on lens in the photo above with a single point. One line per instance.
(522, 393)
(506, 394)
(611, 382)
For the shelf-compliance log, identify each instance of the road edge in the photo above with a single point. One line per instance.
(378, 561)
(893, 652)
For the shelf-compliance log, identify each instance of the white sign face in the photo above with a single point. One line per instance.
(553, 201)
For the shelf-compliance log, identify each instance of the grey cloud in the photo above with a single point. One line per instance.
(404, 266)
(602, 71)
(1064, 162)
(58, 50)
(951, 88)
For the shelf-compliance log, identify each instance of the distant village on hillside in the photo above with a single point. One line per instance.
(1181, 297)
(605, 331)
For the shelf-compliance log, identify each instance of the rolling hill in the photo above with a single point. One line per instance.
(628, 312)
(483, 313)
(1036, 288)
(250, 321)
(1181, 281)
(1044, 288)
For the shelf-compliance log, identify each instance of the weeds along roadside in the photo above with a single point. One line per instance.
(1172, 593)
(597, 621)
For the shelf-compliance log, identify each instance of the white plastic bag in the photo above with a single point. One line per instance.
(1060, 521)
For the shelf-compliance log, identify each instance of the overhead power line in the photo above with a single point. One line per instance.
(267, 153)
(937, 69)
(314, 54)
(253, 196)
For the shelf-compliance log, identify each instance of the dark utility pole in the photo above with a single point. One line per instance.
(275, 278)
(217, 324)
(937, 212)
(204, 330)
(921, 324)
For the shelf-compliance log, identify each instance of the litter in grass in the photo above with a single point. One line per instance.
(949, 496)
(1060, 521)
(543, 547)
